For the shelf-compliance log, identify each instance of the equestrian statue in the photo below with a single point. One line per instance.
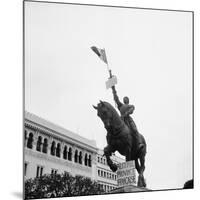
(122, 134)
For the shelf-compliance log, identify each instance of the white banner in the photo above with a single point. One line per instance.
(111, 82)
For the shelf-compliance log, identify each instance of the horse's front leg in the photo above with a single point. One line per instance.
(140, 168)
(108, 152)
(128, 154)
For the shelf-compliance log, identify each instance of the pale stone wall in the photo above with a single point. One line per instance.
(43, 130)
(105, 177)
(34, 157)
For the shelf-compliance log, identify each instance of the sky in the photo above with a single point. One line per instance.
(150, 52)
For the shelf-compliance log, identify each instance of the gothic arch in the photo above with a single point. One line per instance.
(86, 159)
(90, 161)
(80, 157)
(45, 145)
(58, 150)
(76, 156)
(39, 143)
(30, 141)
(70, 154)
(53, 147)
(65, 152)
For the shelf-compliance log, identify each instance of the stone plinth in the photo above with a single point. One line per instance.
(128, 189)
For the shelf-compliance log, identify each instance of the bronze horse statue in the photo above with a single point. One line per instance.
(122, 139)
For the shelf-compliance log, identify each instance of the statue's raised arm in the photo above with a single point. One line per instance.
(116, 98)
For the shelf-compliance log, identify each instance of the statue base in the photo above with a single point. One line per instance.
(128, 189)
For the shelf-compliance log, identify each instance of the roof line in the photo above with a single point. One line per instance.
(31, 119)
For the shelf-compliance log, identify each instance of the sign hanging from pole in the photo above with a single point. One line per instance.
(111, 82)
(101, 53)
(126, 174)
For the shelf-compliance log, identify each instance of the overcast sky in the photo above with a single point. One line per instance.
(149, 51)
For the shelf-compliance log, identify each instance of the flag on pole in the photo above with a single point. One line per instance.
(101, 53)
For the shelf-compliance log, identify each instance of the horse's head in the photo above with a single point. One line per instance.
(105, 113)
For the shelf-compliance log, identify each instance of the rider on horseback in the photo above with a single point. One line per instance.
(125, 110)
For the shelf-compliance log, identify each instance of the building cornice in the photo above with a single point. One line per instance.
(49, 132)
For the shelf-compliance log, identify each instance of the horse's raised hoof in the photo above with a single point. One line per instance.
(141, 146)
(113, 167)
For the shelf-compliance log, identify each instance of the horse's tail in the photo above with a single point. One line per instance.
(143, 149)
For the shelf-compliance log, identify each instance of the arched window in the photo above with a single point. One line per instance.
(65, 152)
(101, 173)
(70, 154)
(58, 150)
(89, 161)
(76, 156)
(112, 176)
(98, 172)
(39, 143)
(25, 134)
(53, 147)
(45, 146)
(30, 141)
(86, 160)
(80, 157)
(25, 137)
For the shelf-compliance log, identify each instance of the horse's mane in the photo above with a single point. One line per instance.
(111, 108)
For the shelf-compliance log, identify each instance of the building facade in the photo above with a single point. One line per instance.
(51, 149)
(106, 178)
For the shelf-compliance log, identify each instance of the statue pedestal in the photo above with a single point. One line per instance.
(126, 174)
(128, 189)
(126, 179)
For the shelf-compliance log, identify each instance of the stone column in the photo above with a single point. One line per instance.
(35, 139)
(73, 153)
(94, 166)
(62, 146)
(49, 145)
(83, 157)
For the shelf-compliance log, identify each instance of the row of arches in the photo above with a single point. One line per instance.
(107, 188)
(40, 146)
(78, 158)
(108, 175)
(55, 150)
(101, 160)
